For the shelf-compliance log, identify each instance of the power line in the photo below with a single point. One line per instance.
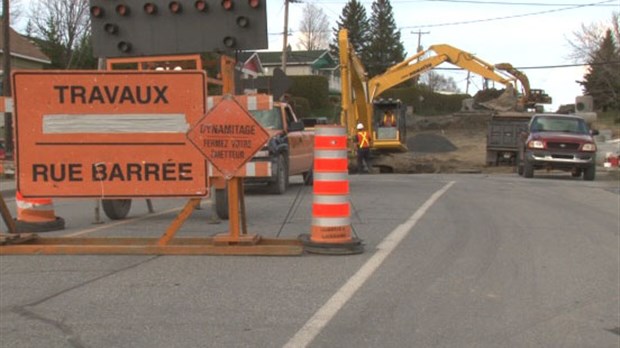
(570, 7)
(479, 2)
(557, 66)
(506, 17)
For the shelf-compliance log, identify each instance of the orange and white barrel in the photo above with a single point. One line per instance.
(331, 209)
(36, 215)
(331, 215)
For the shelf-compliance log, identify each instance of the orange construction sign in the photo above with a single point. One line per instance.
(112, 134)
(228, 136)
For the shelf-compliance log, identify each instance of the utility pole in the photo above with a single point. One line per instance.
(6, 76)
(468, 82)
(285, 44)
(420, 33)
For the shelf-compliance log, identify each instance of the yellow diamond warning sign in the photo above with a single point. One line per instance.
(228, 136)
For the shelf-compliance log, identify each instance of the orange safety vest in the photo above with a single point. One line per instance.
(363, 140)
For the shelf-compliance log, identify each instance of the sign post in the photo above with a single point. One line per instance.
(228, 136)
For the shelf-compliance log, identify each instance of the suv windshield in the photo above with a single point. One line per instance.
(559, 124)
(270, 119)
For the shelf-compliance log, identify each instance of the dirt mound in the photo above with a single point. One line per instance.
(429, 143)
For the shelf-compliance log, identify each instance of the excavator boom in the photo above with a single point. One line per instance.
(443, 53)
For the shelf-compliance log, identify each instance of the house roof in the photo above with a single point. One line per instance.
(22, 48)
(319, 59)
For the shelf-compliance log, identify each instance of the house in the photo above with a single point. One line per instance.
(298, 63)
(24, 54)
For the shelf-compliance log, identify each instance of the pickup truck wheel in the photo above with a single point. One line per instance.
(528, 169)
(308, 177)
(116, 209)
(589, 173)
(281, 184)
(221, 203)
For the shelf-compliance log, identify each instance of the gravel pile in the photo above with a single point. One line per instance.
(429, 143)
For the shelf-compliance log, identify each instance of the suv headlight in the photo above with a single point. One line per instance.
(588, 147)
(536, 144)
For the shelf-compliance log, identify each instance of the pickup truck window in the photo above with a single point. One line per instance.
(270, 119)
(559, 124)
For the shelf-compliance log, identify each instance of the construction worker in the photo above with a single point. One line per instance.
(389, 120)
(363, 149)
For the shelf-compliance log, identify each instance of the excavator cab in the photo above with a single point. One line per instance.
(389, 126)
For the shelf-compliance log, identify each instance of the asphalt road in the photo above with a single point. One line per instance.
(450, 261)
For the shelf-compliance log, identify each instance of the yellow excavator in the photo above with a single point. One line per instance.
(360, 95)
(531, 97)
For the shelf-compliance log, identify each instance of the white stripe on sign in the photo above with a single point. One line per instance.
(321, 318)
(8, 105)
(114, 123)
(250, 169)
(252, 102)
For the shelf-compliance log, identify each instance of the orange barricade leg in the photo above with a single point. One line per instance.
(331, 210)
(36, 215)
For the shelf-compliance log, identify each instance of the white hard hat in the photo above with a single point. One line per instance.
(360, 126)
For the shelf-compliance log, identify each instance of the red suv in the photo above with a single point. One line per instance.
(557, 142)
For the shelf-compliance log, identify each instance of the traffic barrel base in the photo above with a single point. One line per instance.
(353, 246)
(36, 215)
(26, 226)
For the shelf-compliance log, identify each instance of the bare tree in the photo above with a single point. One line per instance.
(439, 83)
(586, 40)
(15, 11)
(63, 27)
(314, 29)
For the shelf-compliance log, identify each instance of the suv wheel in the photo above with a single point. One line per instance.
(589, 173)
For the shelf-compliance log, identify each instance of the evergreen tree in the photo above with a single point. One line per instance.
(354, 19)
(602, 81)
(386, 48)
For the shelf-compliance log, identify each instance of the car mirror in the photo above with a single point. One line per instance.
(594, 132)
(296, 126)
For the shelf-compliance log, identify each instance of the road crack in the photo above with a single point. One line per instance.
(72, 338)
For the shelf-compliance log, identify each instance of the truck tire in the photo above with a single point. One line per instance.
(492, 158)
(589, 173)
(221, 203)
(308, 177)
(528, 169)
(116, 209)
(281, 184)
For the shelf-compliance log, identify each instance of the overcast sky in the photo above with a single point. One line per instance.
(525, 33)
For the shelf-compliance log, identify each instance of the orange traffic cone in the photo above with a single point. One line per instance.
(36, 215)
(331, 210)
